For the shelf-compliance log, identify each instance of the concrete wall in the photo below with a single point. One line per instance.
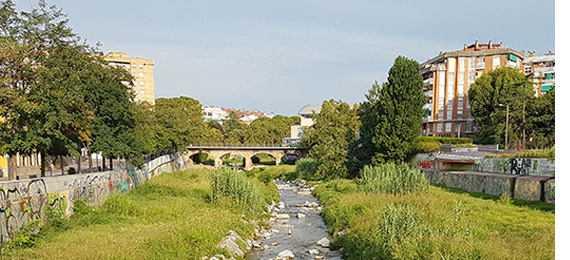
(518, 166)
(27, 200)
(519, 187)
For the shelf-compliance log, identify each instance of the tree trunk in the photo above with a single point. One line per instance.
(11, 167)
(104, 167)
(111, 163)
(61, 164)
(90, 159)
(50, 165)
(43, 164)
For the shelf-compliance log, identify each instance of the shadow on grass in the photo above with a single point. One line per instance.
(538, 205)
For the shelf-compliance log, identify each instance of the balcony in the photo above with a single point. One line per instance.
(480, 65)
(545, 70)
(548, 82)
(428, 82)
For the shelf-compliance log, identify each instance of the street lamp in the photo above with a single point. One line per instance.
(507, 126)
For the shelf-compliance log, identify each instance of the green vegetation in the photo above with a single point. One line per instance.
(169, 217)
(393, 179)
(391, 116)
(445, 140)
(234, 186)
(329, 138)
(264, 159)
(510, 87)
(307, 168)
(435, 224)
(534, 153)
(427, 147)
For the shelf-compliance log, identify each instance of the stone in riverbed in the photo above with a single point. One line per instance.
(313, 252)
(283, 216)
(324, 242)
(286, 254)
(300, 215)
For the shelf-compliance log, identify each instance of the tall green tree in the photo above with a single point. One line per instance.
(328, 139)
(182, 120)
(391, 116)
(507, 87)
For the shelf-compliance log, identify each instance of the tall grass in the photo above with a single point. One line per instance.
(393, 179)
(306, 168)
(235, 186)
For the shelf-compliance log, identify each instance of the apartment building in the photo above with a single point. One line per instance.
(448, 76)
(214, 113)
(142, 71)
(542, 69)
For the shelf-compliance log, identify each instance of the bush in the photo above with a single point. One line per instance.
(392, 178)
(538, 153)
(445, 140)
(464, 146)
(71, 170)
(306, 168)
(427, 147)
(235, 186)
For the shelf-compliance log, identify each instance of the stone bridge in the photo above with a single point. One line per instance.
(217, 151)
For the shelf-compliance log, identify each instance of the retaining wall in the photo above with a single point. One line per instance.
(519, 187)
(518, 166)
(27, 200)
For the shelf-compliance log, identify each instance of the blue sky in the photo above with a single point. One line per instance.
(277, 56)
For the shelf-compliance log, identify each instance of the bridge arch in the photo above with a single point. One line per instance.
(193, 157)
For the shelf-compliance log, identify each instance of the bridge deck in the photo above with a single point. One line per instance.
(243, 147)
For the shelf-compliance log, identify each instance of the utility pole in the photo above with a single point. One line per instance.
(507, 130)
(524, 136)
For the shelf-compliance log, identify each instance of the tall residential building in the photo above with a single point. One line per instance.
(448, 76)
(542, 68)
(142, 71)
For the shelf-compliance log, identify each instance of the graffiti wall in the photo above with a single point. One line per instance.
(25, 201)
(518, 166)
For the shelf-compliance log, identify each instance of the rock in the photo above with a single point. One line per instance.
(300, 215)
(313, 252)
(319, 257)
(287, 254)
(271, 219)
(274, 244)
(267, 235)
(324, 242)
(283, 216)
(229, 243)
(266, 247)
(274, 231)
(281, 205)
(256, 244)
(289, 233)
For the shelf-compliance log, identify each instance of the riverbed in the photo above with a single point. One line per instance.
(304, 233)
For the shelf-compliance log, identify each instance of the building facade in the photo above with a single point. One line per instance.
(447, 78)
(214, 113)
(542, 70)
(142, 71)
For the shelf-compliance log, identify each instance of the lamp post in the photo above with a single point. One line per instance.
(507, 126)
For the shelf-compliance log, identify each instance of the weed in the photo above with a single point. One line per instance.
(392, 178)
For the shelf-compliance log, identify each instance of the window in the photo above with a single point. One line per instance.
(460, 113)
(134, 65)
(527, 69)
(440, 127)
(451, 63)
(459, 101)
(134, 82)
(142, 92)
(449, 113)
(461, 64)
(448, 127)
(135, 91)
(440, 114)
(141, 83)
(141, 74)
(140, 66)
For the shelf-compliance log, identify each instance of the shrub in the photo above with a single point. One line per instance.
(233, 185)
(534, 153)
(445, 140)
(71, 170)
(306, 168)
(464, 146)
(392, 178)
(427, 147)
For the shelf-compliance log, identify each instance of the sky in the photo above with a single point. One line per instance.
(277, 56)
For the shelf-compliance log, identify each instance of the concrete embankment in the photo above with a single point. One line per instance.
(519, 187)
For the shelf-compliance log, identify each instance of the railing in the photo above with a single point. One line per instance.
(548, 82)
(223, 145)
(545, 70)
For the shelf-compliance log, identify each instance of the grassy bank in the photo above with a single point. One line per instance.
(169, 217)
(435, 224)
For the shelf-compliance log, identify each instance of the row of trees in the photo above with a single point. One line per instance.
(385, 127)
(382, 129)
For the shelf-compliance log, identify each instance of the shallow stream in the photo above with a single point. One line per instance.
(298, 233)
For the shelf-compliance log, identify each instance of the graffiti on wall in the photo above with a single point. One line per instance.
(425, 164)
(517, 166)
(550, 192)
(29, 201)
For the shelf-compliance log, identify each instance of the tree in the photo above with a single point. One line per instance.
(541, 120)
(505, 86)
(328, 139)
(182, 120)
(391, 116)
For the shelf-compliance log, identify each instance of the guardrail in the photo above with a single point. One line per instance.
(222, 145)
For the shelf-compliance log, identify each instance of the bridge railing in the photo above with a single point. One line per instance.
(223, 145)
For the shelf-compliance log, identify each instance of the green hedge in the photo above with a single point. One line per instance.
(538, 153)
(427, 147)
(445, 140)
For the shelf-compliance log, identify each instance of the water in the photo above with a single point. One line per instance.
(305, 232)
